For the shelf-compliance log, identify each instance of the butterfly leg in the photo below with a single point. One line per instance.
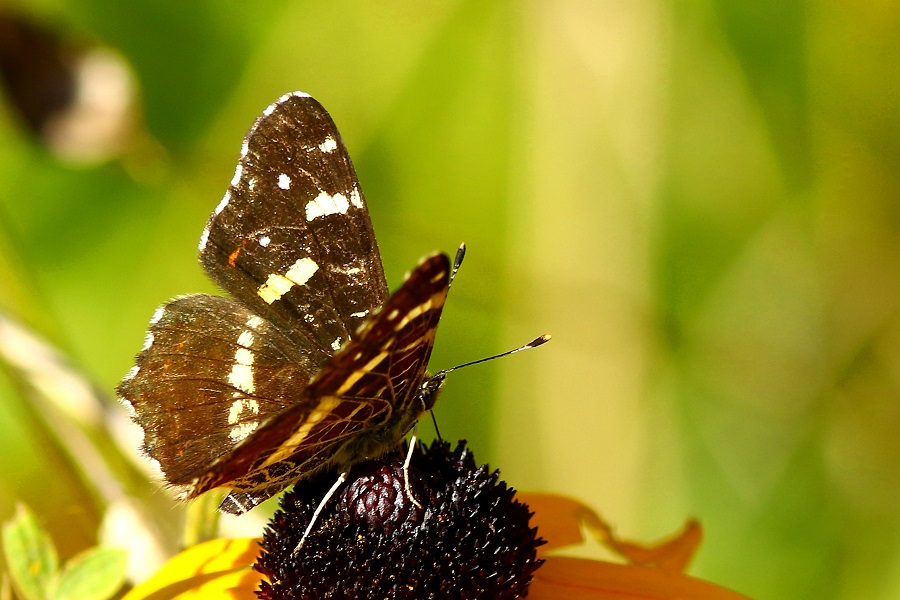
(412, 446)
(340, 480)
(437, 431)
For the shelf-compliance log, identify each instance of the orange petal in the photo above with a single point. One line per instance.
(559, 520)
(671, 555)
(201, 567)
(565, 578)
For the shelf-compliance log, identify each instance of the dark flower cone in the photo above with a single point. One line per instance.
(469, 539)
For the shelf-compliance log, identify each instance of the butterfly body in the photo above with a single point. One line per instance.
(311, 365)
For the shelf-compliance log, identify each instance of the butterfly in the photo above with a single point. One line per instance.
(310, 365)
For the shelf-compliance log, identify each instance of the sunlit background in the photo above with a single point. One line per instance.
(699, 200)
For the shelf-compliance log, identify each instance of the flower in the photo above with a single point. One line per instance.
(651, 572)
(216, 569)
(467, 535)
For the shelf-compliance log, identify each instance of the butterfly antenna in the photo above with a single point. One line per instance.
(460, 255)
(433, 384)
(532, 344)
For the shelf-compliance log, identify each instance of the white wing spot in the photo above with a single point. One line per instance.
(264, 241)
(241, 431)
(148, 341)
(157, 315)
(130, 375)
(271, 108)
(243, 356)
(246, 340)
(277, 285)
(329, 145)
(204, 237)
(254, 322)
(274, 288)
(241, 375)
(244, 149)
(355, 198)
(302, 270)
(284, 182)
(129, 408)
(326, 205)
(239, 406)
(344, 270)
(361, 314)
(223, 202)
(336, 344)
(238, 171)
(252, 183)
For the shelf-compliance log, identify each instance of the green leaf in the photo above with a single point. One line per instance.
(95, 574)
(30, 556)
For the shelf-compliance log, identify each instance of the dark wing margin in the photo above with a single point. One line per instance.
(292, 237)
(360, 404)
(209, 373)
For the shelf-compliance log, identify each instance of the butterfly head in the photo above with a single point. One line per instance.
(430, 388)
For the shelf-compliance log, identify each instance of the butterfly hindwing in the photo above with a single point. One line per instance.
(292, 238)
(209, 373)
(360, 404)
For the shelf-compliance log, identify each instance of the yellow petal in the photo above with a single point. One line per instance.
(237, 585)
(202, 567)
(566, 578)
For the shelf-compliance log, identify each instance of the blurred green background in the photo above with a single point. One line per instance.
(699, 200)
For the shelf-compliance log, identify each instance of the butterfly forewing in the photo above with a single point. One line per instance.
(292, 238)
(360, 404)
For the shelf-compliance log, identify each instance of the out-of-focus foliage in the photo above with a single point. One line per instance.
(698, 200)
(34, 569)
